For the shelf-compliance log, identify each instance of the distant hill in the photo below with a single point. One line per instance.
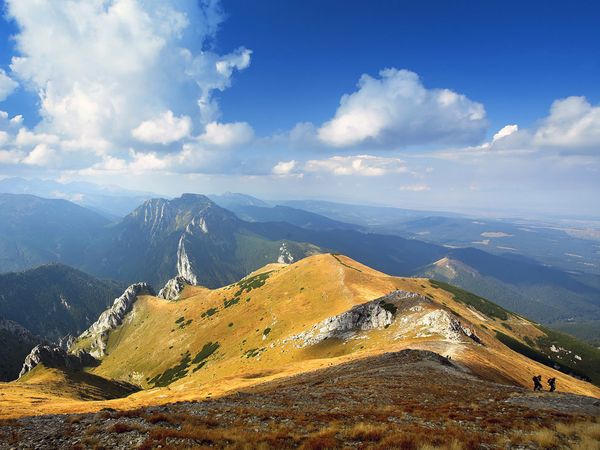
(549, 246)
(363, 215)
(233, 200)
(293, 216)
(36, 231)
(54, 300)
(110, 201)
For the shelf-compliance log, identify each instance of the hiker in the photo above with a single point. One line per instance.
(552, 384)
(537, 383)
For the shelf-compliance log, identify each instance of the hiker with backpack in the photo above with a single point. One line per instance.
(537, 383)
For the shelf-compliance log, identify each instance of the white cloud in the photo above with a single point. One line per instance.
(362, 165)
(104, 68)
(4, 137)
(9, 157)
(573, 123)
(415, 188)
(26, 138)
(145, 162)
(41, 155)
(505, 131)
(284, 167)
(7, 85)
(396, 110)
(164, 129)
(227, 134)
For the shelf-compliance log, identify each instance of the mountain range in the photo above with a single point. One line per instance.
(193, 237)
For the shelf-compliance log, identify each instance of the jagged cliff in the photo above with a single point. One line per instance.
(110, 319)
(53, 356)
(173, 288)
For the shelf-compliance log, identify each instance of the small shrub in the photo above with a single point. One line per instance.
(209, 312)
(233, 301)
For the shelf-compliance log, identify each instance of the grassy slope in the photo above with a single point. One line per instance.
(215, 341)
(53, 390)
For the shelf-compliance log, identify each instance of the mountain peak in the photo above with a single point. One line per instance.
(160, 217)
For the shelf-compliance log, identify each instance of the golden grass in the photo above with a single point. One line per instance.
(366, 432)
(544, 438)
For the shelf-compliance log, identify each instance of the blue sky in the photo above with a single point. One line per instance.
(514, 57)
(178, 95)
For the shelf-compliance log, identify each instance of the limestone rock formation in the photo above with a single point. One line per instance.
(65, 342)
(53, 356)
(375, 314)
(414, 312)
(285, 257)
(173, 288)
(113, 317)
(184, 267)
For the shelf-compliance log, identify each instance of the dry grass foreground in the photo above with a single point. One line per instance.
(405, 400)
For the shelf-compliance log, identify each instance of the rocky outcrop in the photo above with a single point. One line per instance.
(65, 342)
(113, 317)
(420, 323)
(375, 314)
(173, 288)
(184, 267)
(56, 357)
(414, 313)
(285, 257)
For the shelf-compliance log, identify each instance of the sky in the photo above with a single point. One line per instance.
(465, 105)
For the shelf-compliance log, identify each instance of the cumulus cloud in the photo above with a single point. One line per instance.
(9, 157)
(41, 155)
(164, 129)
(571, 126)
(396, 110)
(505, 131)
(284, 167)
(361, 165)
(573, 123)
(227, 134)
(110, 75)
(7, 85)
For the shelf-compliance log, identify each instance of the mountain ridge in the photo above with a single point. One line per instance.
(284, 320)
